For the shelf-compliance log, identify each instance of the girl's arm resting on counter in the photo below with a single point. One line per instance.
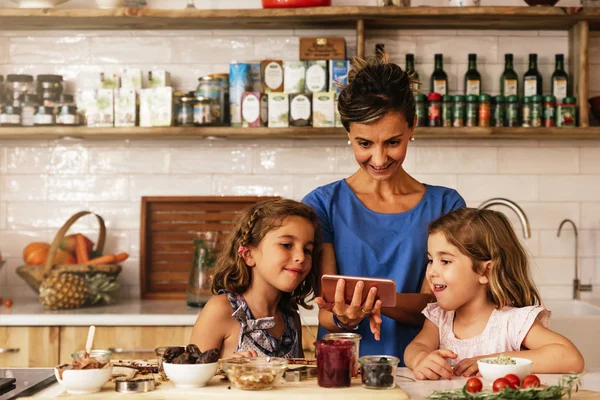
(427, 341)
(210, 328)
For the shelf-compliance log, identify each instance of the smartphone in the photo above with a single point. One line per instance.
(386, 288)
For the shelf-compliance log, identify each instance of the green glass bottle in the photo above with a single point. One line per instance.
(412, 73)
(472, 77)
(439, 79)
(560, 78)
(509, 81)
(532, 80)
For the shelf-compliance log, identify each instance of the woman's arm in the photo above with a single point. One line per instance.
(409, 306)
(328, 266)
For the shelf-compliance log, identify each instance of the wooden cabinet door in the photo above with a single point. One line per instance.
(22, 346)
(126, 342)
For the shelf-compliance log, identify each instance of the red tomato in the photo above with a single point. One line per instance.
(514, 380)
(500, 384)
(474, 385)
(8, 303)
(531, 381)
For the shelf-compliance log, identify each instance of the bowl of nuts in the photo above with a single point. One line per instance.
(254, 373)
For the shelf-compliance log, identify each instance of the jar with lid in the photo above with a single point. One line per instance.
(185, 110)
(421, 109)
(10, 115)
(446, 110)
(435, 109)
(526, 112)
(485, 108)
(549, 115)
(44, 116)
(49, 89)
(498, 111)
(210, 88)
(202, 111)
(66, 113)
(459, 111)
(472, 110)
(334, 363)
(566, 113)
(30, 104)
(536, 111)
(512, 111)
(355, 338)
(223, 79)
(17, 86)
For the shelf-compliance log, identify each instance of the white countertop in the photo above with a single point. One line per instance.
(131, 312)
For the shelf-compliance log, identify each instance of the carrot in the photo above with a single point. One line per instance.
(81, 253)
(105, 259)
(121, 257)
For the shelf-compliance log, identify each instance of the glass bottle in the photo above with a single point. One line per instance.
(439, 79)
(472, 77)
(198, 290)
(509, 81)
(560, 79)
(412, 73)
(532, 80)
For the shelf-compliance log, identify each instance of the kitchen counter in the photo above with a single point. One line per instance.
(309, 390)
(130, 312)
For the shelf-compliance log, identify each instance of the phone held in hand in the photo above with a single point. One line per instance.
(386, 288)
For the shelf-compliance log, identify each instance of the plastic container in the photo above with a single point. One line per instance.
(378, 372)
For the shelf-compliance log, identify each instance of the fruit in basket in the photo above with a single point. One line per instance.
(63, 291)
(99, 288)
(69, 243)
(64, 258)
(35, 253)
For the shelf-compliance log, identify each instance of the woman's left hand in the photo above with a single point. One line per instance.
(467, 367)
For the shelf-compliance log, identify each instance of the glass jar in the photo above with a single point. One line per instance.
(459, 111)
(202, 111)
(498, 111)
(198, 290)
(549, 115)
(512, 111)
(185, 110)
(471, 110)
(29, 108)
(44, 116)
(49, 89)
(210, 88)
(223, 79)
(526, 112)
(485, 110)
(334, 363)
(421, 109)
(17, 86)
(566, 113)
(378, 372)
(66, 112)
(536, 111)
(160, 352)
(446, 111)
(355, 338)
(435, 109)
(10, 115)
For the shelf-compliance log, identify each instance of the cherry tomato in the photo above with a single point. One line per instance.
(474, 385)
(514, 380)
(500, 384)
(8, 303)
(531, 381)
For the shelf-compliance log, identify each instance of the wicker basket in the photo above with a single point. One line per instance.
(35, 274)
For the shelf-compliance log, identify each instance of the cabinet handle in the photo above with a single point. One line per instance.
(121, 350)
(9, 350)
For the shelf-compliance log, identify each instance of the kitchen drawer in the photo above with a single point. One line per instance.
(127, 342)
(22, 346)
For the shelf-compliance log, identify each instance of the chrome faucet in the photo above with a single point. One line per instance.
(577, 286)
(513, 206)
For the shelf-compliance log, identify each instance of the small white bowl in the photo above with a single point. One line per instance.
(84, 381)
(522, 368)
(39, 3)
(187, 376)
(110, 3)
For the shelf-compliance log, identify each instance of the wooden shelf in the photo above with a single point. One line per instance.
(308, 133)
(549, 18)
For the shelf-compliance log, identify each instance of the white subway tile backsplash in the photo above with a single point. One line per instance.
(544, 47)
(590, 160)
(457, 48)
(296, 160)
(2, 217)
(204, 160)
(23, 188)
(456, 159)
(553, 271)
(122, 216)
(3, 50)
(28, 160)
(169, 185)
(515, 187)
(253, 185)
(13, 243)
(59, 213)
(48, 50)
(129, 161)
(88, 188)
(447, 180)
(212, 49)
(28, 216)
(553, 246)
(570, 187)
(304, 184)
(123, 50)
(590, 216)
(134, 243)
(276, 47)
(544, 160)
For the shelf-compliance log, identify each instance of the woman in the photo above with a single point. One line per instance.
(375, 221)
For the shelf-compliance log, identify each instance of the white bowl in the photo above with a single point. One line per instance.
(190, 375)
(522, 368)
(110, 3)
(38, 3)
(84, 381)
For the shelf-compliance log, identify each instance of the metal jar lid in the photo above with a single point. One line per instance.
(50, 78)
(134, 385)
(342, 335)
(19, 78)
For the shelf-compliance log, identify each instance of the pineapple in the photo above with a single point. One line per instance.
(99, 286)
(63, 291)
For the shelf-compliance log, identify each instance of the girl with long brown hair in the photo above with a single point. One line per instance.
(487, 303)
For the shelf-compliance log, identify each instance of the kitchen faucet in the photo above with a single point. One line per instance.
(513, 206)
(577, 286)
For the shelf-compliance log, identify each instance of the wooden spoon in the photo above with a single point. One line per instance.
(90, 340)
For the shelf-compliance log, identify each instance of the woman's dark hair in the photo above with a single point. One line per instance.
(375, 88)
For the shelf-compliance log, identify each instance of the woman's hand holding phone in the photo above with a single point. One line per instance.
(352, 314)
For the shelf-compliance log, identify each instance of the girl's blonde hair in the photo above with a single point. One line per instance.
(231, 272)
(487, 235)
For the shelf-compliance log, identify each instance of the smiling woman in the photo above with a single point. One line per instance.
(375, 222)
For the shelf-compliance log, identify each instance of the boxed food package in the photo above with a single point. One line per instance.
(323, 110)
(317, 78)
(125, 107)
(251, 109)
(272, 76)
(322, 48)
(156, 107)
(338, 74)
(255, 77)
(86, 106)
(239, 82)
(279, 110)
(264, 110)
(110, 81)
(131, 78)
(300, 109)
(105, 104)
(294, 75)
(338, 117)
(159, 78)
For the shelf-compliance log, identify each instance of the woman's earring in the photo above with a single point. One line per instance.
(412, 139)
(349, 143)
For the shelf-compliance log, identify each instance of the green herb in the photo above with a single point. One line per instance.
(564, 387)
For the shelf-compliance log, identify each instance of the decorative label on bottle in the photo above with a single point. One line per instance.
(560, 89)
(530, 86)
(510, 87)
(439, 86)
(473, 87)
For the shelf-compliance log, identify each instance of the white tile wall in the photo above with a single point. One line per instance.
(43, 183)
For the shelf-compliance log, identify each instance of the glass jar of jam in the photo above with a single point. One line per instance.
(334, 363)
(355, 338)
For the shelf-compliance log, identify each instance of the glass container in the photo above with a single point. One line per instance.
(378, 372)
(198, 290)
(334, 363)
(355, 338)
